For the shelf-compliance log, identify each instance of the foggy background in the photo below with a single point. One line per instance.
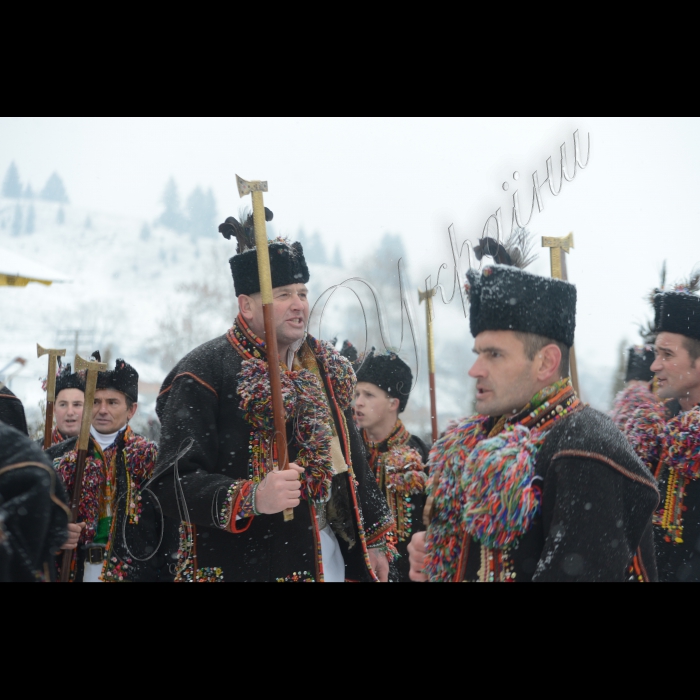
(132, 218)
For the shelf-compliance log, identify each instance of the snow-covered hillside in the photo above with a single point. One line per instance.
(150, 295)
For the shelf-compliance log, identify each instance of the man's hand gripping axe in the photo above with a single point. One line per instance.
(256, 189)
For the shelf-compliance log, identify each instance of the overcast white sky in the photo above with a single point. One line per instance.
(355, 178)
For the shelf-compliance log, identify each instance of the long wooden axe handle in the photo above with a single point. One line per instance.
(256, 189)
(50, 390)
(93, 369)
(427, 297)
(559, 249)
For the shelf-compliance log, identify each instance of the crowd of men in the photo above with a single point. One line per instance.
(537, 486)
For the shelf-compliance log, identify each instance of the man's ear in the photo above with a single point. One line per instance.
(549, 362)
(132, 411)
(245, 306)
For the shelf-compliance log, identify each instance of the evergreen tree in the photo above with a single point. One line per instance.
(172, 217)
(338, 258)
(31, 220)
(12, 187)
(146, 232)
(316, 252)
(301, 238)
(55, 190)
(17, 221)
(88, 224)
(201, 211)
(28, 192)
(61, 217)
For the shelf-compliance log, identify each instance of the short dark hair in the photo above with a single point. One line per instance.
(693, 347)
(536, 343)
(129, 402)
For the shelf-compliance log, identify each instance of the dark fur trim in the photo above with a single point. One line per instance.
(286, 260)
(679, 313)
(123, 378)
(507, 299)
(390, 373)
(639, 364)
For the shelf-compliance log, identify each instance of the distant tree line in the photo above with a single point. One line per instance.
(198, 218)
(54, 190)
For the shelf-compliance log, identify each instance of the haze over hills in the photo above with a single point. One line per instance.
(150, 295)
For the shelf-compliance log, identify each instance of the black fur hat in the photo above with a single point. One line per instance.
(509, 299)
(390, 373)
(122, 378)
(66, 380)
(12, 411)
(287, 260)
(639, 364)
(679, 313)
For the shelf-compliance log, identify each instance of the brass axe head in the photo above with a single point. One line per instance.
(93, 369)
(51, 377)
(245, 188)
(566, 244)
(426, 296)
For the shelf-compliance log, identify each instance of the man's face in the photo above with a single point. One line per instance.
(506, 377)
(677, 378)
(68, 411)
(111, 412)
(291, 312)
(373, 406)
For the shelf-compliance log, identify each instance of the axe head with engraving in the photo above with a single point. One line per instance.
(93, 369)
(245, 188)
(53, 363)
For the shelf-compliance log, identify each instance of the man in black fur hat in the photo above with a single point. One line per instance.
(68, 412)
(217, 469)
(538, 487)
(124, 528)
(12, 410)
(671, 445)
(33, 514)
(397, 458)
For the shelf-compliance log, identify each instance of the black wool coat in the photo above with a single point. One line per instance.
(203, 425)
(33, 512)
(12, 411)
(597, 505)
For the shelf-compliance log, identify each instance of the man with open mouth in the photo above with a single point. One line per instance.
(670, 445)
(68, 412)
(218, 466)
(537, 487)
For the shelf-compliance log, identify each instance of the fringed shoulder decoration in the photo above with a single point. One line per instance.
(405, 477)
(502, 496)
(444, 538)
(93, 487)
(306, 407)
(628, 401)
(339, 369)
(683, 444)
(645, 432)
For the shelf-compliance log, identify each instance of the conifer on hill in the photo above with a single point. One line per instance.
(201, 212)
(12, 186)
(31, 221)
(17, 221)
(172, 217)
(55, 190)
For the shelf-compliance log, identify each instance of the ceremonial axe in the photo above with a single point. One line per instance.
(559, 249)
(50, 390)
(427, 297)
(92, 369)
(256, 189)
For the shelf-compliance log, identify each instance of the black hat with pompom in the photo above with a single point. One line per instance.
(123, 378)
(390, 373)
(287, 262)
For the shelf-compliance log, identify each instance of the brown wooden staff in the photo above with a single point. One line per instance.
(93, 369)
(559, 249)
(427, 297)
(50, 390)
(256, 189)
